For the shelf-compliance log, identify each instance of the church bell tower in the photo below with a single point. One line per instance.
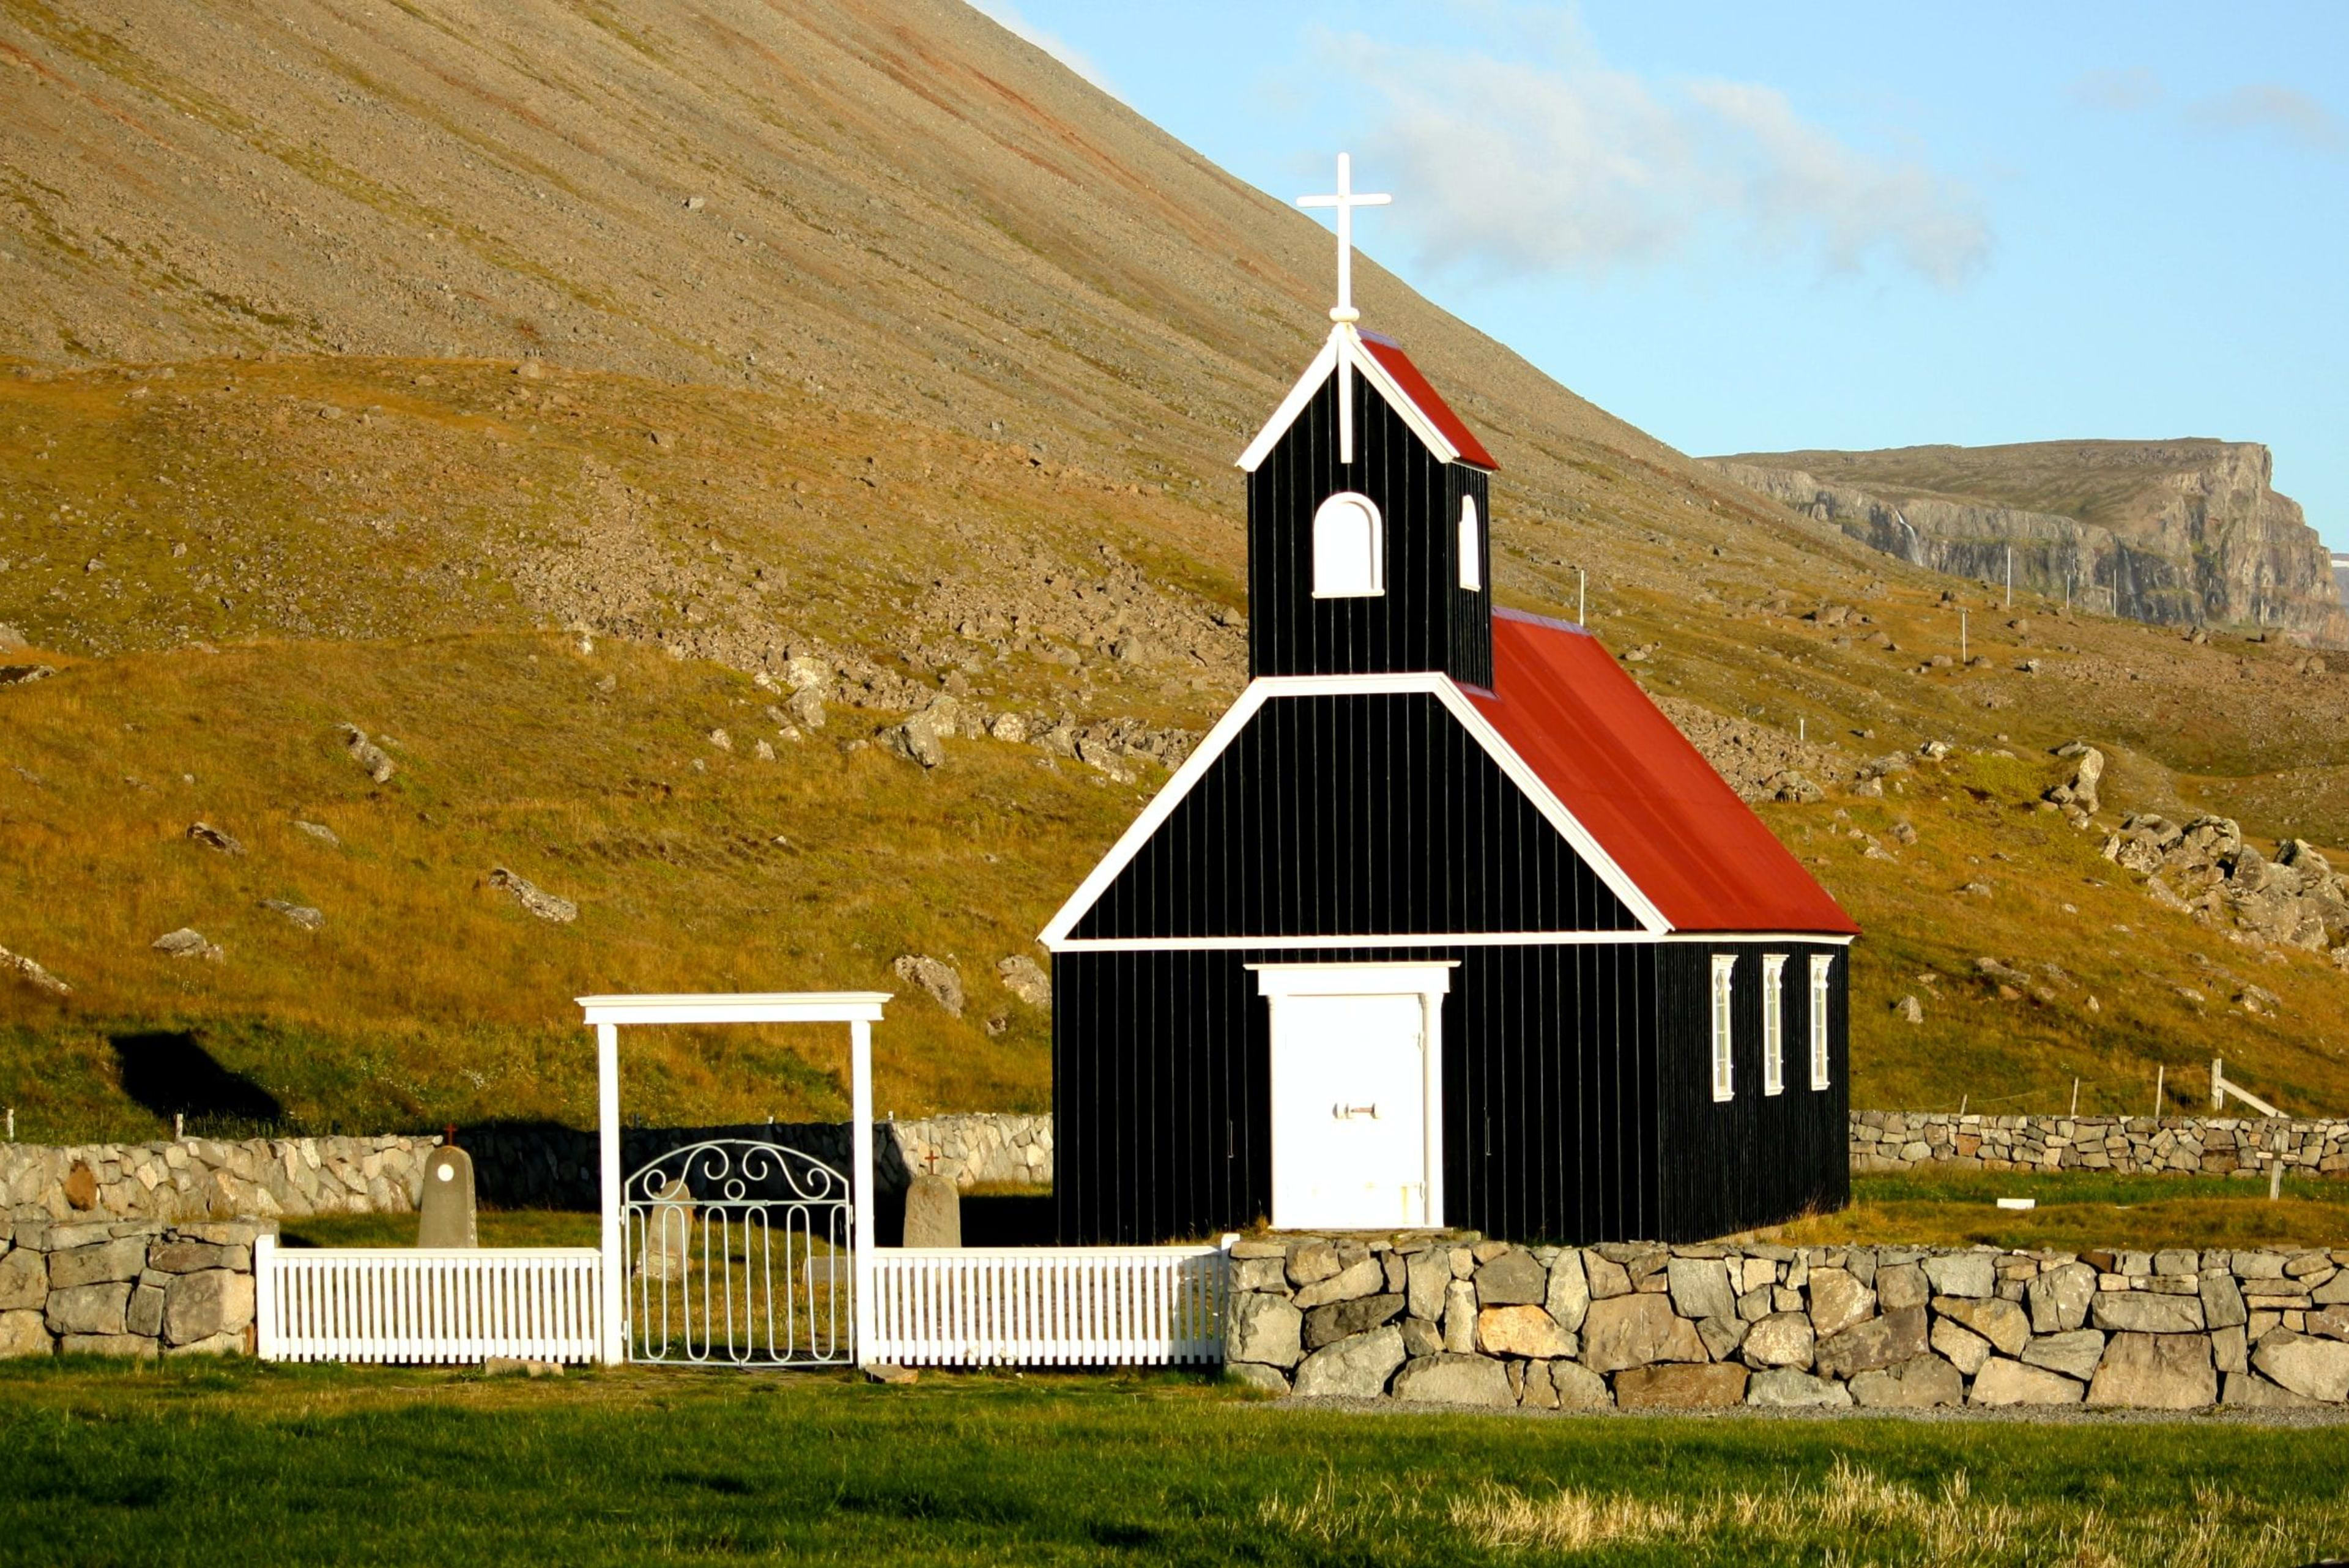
(1368, 523)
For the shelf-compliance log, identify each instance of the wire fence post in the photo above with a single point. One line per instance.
(2159, 1069)
(1582, 597)
(2075, 1096)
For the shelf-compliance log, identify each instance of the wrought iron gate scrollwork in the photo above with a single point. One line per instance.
(739, 1254)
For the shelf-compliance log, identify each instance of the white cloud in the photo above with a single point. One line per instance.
(1551, 161)
(1007, 17)
(2251, 107)
(2265, 106)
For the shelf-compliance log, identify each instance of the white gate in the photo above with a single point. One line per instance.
(739, 1254)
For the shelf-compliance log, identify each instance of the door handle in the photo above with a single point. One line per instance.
(1348, 1113)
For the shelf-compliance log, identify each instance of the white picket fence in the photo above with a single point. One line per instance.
(409, 1304)
(959, 1306)
(1059, 1306)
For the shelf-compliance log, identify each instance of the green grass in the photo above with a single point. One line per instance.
(238, 1463)
(2075, 1212)
(498, 1227)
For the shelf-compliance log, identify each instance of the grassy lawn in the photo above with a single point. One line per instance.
(498, 1227)
(1958, 1208)
(1941, 1209)
(235, 1463)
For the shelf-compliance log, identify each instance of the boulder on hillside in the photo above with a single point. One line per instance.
(530, 896)
(1025, 978)
(24, 969)
(302, 915)
(934, 976)
(371, 758)
(2077, 796)
(212, 837)
(187, 944)
(916, 739)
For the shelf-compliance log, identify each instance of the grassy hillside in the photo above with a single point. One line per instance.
(405, 359)
(429, 993)
(404, 568)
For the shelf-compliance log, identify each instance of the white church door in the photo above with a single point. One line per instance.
(1357, 1089)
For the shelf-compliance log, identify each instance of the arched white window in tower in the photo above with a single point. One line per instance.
(1472, 546)
(1348, 548)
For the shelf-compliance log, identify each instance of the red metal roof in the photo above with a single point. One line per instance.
(1650, 799)
(1397, 363)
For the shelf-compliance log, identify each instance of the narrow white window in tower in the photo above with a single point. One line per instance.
(1774, 1023)
(1472, 545)
(1822, 964)
(1348, 548)
(1725, 1085)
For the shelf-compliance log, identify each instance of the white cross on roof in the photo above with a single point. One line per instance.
(1345, 200)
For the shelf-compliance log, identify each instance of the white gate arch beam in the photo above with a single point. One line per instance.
(860, 1010)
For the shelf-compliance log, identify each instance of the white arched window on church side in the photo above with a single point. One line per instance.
(1472, 545)
(1349, 552)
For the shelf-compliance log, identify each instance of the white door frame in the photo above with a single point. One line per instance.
(1430, 982)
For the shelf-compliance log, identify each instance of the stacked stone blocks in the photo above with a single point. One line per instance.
(1459, 1320)
(2205, 1145)
(127, 1288)
(516, 1167)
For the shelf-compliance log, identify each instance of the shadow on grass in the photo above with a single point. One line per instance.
(169, 1072)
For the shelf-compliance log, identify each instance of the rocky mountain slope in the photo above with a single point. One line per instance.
(2176, 532)
(820, 576)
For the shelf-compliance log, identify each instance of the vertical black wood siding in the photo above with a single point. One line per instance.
(1347, 815)
(1577, 1094)
(1754, 1158)
(1425, 619)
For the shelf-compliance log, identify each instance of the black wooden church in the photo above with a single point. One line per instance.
(1443, 923)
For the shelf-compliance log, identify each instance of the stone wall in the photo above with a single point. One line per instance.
(127, 1288)
(1461, 1321)
(542, 1166)
(2219, 1146)
(516, 1167)
(198, 1179)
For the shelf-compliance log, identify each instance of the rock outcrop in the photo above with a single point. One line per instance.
(2207, 868)
(2184, 532)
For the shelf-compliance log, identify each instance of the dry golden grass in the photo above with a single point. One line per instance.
(429, 994)
(378, 569)
(1851, 1515)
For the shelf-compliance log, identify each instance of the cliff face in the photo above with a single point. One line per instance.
(2177, 533)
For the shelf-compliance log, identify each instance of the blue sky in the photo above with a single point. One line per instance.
(1747, 227)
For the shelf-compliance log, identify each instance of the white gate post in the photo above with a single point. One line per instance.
(609, 1282)
(860, 1102)
(264, 1297)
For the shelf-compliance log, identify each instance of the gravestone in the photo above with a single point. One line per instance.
(668, 1232)
(933, 1212)
(444, 1210)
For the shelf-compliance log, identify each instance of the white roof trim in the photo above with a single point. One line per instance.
(1627, 937)
(1162, 807)
(1618, 880)
(750, 1007)
(1055, 935)
(1342, 340)
(1292, 405)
